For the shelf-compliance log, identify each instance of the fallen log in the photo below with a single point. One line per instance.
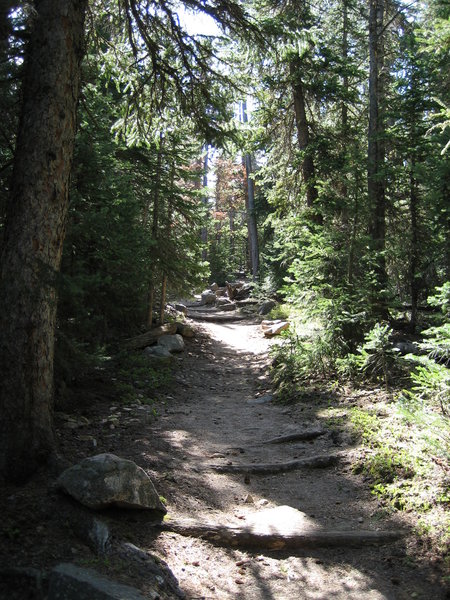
(312, 462)
(247, 537)
(215, 317)
(150, 337)
(305, 435)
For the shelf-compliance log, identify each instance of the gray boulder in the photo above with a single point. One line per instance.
(406, 347)
(208, 297)
(69, 582)
(157, 352)
(181, 308)
(172, 343)
(185, 330)
(266, 307)
(108, 480)
(158, 355)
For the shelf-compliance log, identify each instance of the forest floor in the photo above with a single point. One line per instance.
(217, 411)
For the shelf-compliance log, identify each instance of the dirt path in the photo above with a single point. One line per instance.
(219, 415)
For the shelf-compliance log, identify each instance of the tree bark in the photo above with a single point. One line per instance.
(162, 306)
(414, 259)
(204, 230)
(34, 234)
(312, 462)
(375, 154)
(307, 434)
(302, 126)
(155, 224)
(241, 537)
(252, 226)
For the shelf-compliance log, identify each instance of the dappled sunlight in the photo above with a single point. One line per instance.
(239, 337)
(213, 421)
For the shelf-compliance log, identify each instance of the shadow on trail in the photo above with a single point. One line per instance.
(211, 420)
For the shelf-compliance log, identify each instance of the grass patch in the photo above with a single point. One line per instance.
(404, 470)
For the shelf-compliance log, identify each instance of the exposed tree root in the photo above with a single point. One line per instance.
(215, 317)
(248, 538)
(307, 434)
(312, 462)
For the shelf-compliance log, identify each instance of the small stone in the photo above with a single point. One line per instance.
(261, 399)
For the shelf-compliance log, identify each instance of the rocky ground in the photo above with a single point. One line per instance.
(218, 413)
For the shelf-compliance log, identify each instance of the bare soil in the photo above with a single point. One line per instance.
(217, 412)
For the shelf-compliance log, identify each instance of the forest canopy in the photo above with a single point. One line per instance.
(325, 126)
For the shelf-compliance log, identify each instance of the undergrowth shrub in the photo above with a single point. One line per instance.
(426, 403)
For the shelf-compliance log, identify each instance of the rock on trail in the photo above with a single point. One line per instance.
(215, 420)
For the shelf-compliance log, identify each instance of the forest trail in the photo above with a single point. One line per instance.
(217, 416)
(221, 414)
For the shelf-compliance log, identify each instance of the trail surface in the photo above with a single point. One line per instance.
(221, 414)
(208, 453)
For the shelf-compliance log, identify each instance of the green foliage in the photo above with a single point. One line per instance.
(441, 299)
(288, 368)
(137, 381)
(281, 311)
(430, 389)
(135, 214)
(366, 425)
(431, 385)
(399, 463)
(377, 356)
(387, 465)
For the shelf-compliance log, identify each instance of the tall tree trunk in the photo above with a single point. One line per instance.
(414, 259)
(163, 299)
(231, 214)
(35, 228)
(343, 187)
(204, 231)
(252, 226)
(302, 125)
(344, 107)
(352, 245)
(375, 168)
(168, 233)
(155, 223)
